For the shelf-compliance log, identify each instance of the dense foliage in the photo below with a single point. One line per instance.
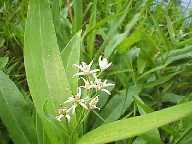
(148, 42)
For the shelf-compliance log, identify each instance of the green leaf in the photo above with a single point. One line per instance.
(45, 72)
(137, 125)
(71, 55)
(152, 136)
(184, 131)
(139, 140)
(3, 62)
(119, 38)
(115, 38)
(130, 40)
(91, 36)
(141, 64)
(171, 97)
(179, 54)
(2, 42)
(170, 29)
(78, 15)
(15, 112)
(46, 76)
(113, 109)
(161, 80)
(118, 105)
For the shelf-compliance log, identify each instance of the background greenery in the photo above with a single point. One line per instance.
(149, 43)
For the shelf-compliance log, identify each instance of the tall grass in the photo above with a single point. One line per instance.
(149, 44)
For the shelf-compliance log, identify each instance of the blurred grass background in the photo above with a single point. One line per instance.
(149, 44)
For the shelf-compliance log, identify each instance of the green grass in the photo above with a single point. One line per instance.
(149, 45)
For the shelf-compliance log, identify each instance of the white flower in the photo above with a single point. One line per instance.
(87, 103)
(99, 85)
(60, 117)
(93, 103)
(103, 63)
(76, 100)
(85, 69)
(87, 84)
(63, 113)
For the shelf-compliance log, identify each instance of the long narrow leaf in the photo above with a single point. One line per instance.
(137, 125)
(78, 15)
(153, 136)
(46, 76)
(71, 55)
(45, 72)
(15, 112)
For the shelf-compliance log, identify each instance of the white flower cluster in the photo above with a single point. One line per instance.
(91, 82)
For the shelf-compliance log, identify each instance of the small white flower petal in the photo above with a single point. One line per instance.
(68, 117)
(79, 92)
(84, 69)
(60, 117)
(107, 91)
(90, 64)
(87, 85)
(83, 105)
(70, 100)
(107, 66)
(103, 63)
(94, 71)
(93, 103)
(108, 85)
(71, 110)
(80, 67)
(79, 74)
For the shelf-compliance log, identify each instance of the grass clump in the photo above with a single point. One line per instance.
(143, 47)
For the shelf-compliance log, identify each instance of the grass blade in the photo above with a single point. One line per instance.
(43, 63)
(78, 15)
(137, 125)
(3, 62)
(46, 76)
(15, 112)
(153, 136)
(91, 37)
(71, 55)
(117, 39)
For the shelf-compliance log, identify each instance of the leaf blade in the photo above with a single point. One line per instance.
(15, 112)
(137, 125)
(43, 62)
(46, 76)
(71, 55)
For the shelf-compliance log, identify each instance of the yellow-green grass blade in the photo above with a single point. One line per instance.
(135, 126)
(15, 112)
(46, 76)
